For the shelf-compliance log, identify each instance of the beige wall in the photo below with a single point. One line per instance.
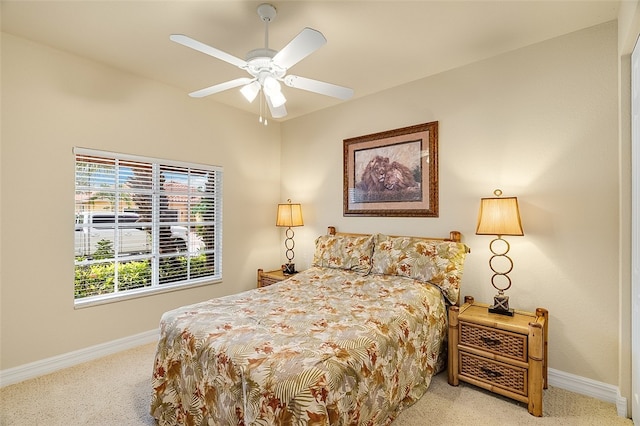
(52, 101)
(540, 123)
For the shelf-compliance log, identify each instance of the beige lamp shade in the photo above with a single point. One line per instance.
(499, 216)
(289, 215)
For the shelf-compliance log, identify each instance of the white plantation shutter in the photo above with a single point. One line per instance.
(144, 225)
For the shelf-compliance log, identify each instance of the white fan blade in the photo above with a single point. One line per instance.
(220, 87)
(304, 44)
(211, 51)
(318, 87)
(276, 112)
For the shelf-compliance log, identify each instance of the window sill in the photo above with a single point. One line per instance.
(104, 299)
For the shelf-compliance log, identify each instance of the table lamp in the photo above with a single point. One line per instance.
(499, 216)
(289, 215)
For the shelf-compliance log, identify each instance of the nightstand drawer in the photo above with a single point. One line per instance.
(499, 342)
(494, 373)
(267, 280)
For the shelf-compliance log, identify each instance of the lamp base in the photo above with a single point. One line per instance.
(508, 312)
(289, 269)
(501, 305)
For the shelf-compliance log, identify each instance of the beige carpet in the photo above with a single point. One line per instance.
(115, 390)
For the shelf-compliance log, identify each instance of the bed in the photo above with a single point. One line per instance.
(352, 340)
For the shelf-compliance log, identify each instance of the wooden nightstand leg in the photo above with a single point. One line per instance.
(260, 272)
(452, 355)
(536, 367)
(543, 314)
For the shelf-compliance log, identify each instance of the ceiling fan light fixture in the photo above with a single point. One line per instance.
(277, 99)
(250, 91)
(273, 90)
(271, 85)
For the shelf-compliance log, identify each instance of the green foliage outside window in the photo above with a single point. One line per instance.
(99, 278)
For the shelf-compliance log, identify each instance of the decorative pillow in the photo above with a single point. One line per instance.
(437, 262)
(344, 252)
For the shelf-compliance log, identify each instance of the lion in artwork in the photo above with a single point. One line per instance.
(374, 174)
(398, 177)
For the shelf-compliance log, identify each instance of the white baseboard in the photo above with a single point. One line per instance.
(588, 387)
(560, 379)
(50, 365)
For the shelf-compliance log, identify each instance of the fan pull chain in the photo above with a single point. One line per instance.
(262, 101)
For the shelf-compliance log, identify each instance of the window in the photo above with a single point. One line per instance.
(144, 225)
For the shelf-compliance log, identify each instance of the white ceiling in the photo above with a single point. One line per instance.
(372, 45)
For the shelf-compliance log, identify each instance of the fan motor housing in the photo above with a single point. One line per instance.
(260, 60)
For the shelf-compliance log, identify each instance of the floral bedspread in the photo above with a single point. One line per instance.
(325, 347)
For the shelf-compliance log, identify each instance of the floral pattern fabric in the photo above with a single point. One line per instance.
(437, 262)
(324, 347)
(344, 252)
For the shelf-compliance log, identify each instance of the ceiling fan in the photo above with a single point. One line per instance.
(269, 67)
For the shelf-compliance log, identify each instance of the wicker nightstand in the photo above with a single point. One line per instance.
(505, 355)
(266, 278)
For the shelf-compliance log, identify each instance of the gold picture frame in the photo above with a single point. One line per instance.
(392, 173)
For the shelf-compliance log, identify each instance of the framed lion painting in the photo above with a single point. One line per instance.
(392, 173)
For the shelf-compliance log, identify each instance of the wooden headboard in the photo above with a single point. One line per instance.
(454, 236)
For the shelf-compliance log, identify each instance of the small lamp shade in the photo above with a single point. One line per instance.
(289, 215)
(499, 216)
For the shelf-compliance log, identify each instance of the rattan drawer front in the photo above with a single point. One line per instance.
(496, 341)
(494, 373)
(266, 281)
